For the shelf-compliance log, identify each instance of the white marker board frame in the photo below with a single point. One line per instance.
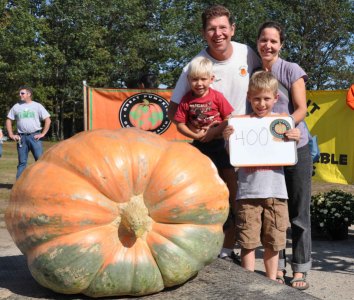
(258, 141)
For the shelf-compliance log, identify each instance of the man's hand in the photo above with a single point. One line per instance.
(14, 137)
(38, 136)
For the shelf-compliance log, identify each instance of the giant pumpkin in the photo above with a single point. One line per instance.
(121, 212)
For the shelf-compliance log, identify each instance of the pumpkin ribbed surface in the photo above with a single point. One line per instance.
(121, 212)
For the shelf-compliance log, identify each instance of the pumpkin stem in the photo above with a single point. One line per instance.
(146, 102)
(135, 216)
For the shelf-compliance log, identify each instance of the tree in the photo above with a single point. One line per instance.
(319, 36)
(152, 37)
(53, 45)
(20, 51)
(76, 52)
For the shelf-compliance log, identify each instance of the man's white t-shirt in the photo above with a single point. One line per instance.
(231, 76)
(28, 116)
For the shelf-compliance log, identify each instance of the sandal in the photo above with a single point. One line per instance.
(301, 279)
(280, 278)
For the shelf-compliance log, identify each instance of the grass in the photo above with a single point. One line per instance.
(8, 169)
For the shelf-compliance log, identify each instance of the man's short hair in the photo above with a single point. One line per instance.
(27, 88)
(263, 80)
(200, 66)
(214, 12)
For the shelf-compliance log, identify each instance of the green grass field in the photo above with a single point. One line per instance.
(8, 168)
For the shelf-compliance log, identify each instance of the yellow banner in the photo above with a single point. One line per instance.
(329, 118)
(333, 122)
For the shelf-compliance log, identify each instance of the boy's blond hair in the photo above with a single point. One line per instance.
(200, 66)
(263, 81)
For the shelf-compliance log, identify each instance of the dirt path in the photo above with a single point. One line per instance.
(320, 187)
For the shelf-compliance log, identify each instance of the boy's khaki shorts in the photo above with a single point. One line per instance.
(262, 222)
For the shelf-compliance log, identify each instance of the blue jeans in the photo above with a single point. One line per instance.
(298, 183)
(28, 143)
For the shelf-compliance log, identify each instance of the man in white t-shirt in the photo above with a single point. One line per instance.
(28, 115)
(233, 63)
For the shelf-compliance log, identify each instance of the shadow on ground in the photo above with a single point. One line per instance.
(13, 270)
(7, 186)
(334, 256)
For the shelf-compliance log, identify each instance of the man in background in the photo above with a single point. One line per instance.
(28, 115)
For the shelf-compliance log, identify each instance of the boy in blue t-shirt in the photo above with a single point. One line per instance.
(261, 205)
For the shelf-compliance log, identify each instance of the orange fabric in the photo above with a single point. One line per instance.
(350, 97)
(104, 109)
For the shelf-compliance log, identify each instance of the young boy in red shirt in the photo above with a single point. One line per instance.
(202, 108)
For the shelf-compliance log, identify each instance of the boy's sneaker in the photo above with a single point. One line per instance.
(233, 257)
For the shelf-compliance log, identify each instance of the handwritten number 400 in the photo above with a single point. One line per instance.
(252, 137)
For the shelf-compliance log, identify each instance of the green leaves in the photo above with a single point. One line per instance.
(55, 45)
(331, 210)
(319, 36)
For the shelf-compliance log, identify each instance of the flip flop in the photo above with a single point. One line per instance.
(301, 279)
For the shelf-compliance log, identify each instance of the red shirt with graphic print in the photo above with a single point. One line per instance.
(202, 111)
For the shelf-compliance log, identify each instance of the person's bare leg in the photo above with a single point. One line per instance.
(248, 259)
(270, 259)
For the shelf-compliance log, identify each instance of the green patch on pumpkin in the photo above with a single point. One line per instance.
(33, 241)
(67, 269)
(125, 278)
(198, 215)
(38, 220)
(200, 243)
(175, 264)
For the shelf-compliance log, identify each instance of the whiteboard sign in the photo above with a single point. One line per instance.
(259, 142)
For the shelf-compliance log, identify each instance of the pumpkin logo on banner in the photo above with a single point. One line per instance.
(146, 111)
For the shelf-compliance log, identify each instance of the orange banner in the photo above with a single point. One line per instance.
(119, 108)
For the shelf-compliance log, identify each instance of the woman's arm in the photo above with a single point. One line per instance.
(298, 96)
